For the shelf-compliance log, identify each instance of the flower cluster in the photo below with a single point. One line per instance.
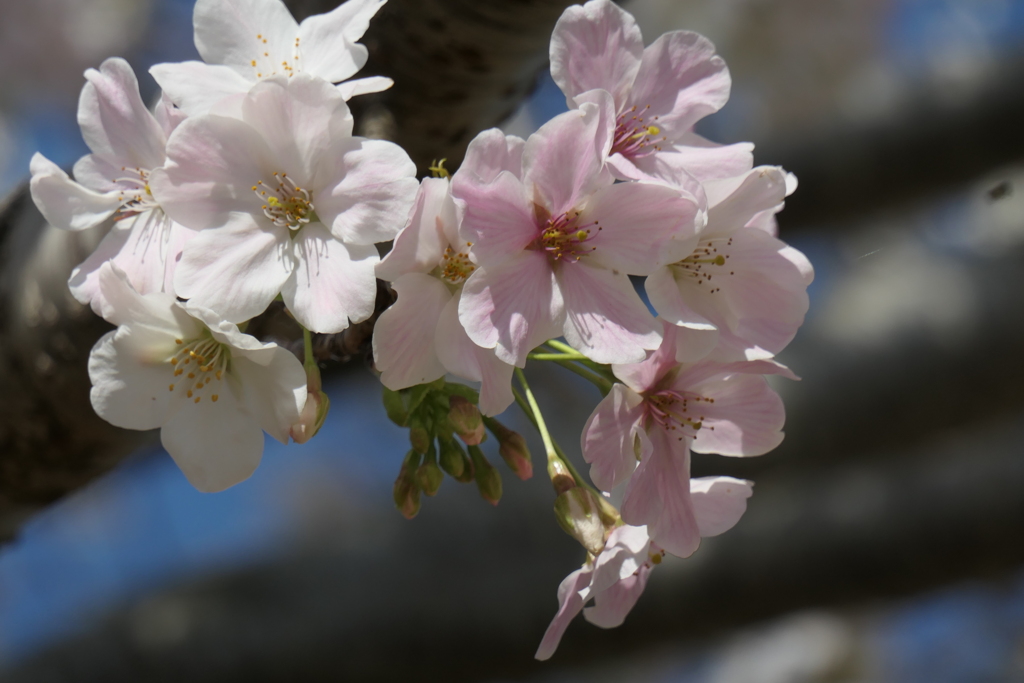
(246, 185)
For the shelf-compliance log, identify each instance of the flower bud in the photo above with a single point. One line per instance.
(419, 437)
(561, 477)
(394, 406)
(512, 447)
(579, 514)
(465, 420)
(488, 480)
(312, 417)
(406, 492)
(429, 476)
(452, 457)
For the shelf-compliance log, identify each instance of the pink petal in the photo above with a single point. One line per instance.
(612, 605)
(719, 502)
(115, 123)
(64, 203)
(563, 162)
(648, 373)
(658, 495)
(403, 336)
(197, 87)
(597, 45)
(499, 219)
(513, 306)
(421, 244)
(609, 435)
(299, 117)
(333, 282)
(570, 602)
(368, 189)
(706, 160)
(745, 419)
(666, 166)
(761, 189)
(681, 80)
(642, 226)
(605, 317)
(490, 153)
(236, 270)
(460, 356)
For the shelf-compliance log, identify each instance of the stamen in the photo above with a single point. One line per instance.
(708, 255)
(211, 360)
(671, 410)
(287, 205)
(634, 137)
(456, 266)
(564, 239)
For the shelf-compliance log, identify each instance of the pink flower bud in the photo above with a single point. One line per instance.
(465, 420)
(488, 480)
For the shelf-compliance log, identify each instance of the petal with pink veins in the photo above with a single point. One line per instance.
(573, 593)
(333, 282)
(612, 605)
(403, 336)
(490, 153)
(499, 219)
(706, 160)
(680, 81)
(597, 45)
(609, 436)
(605, 319)
(421, 244)
(745, 419)
(513, 306)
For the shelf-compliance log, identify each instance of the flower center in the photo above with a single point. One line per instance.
(456, 266)
(635, 137)
(676, 411)
(705, 261)
(564, 239)
(199, 364)
(286, 204)
(264, 64)
(135, 195)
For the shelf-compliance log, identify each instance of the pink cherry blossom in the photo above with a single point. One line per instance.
(643, 431)
(287, 201)
(555, 241)
(659, 93)
(616, 578)
(742, 288)
(245, 41)
(127, 144)
(420, 338)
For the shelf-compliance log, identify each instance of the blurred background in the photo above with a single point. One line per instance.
(885, 539)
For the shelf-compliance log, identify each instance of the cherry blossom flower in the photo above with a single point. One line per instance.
(128, 144)
(660, 92)
(286, 201)
(742, 288)
(555, 241)
(210, 389)
(661, 412)
(245, 41)
(420, 338)
(617, 576)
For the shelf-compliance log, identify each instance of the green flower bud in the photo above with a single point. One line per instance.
(466, 421)
(406, 492)
(429, 476)
(452, 457)
(394, 406)
(488, 480)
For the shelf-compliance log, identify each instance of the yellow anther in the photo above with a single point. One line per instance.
(581, 235)
(656, 558)
(178, 341)
(273, 201)
(189, 394)
(174, 361)
(214, 398)
(197, 398)
(438, 170)
(191, 375)
(170, 388)
(653, 130)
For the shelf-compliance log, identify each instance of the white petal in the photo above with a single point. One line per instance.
(421, 245)
(115, 123)
(333, 282)
(129, 390)
(718, 503)
(197, 87)
(364, 86)
(328, 40)
(274, 386)
(403, 336)
(368, 188)
(239, 32)
(236, 270)
(64, 203)
(122, 305)
(216, 444)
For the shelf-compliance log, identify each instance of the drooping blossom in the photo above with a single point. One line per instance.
(659, 92)
(287, 201)
(420, 338)
(617, 576)
(211, 389)
(127, 143)
(555, 241)
(245, 41)
(644, 430)
(741, 288)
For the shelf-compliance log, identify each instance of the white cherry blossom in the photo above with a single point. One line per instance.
(245, 41)
(210, 389)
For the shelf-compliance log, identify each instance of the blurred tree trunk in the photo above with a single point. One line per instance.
(459, 66)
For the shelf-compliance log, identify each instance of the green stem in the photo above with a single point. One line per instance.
(597, 380)
(532, 411)
(602, 370)
(307, 341)
(556, 356)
